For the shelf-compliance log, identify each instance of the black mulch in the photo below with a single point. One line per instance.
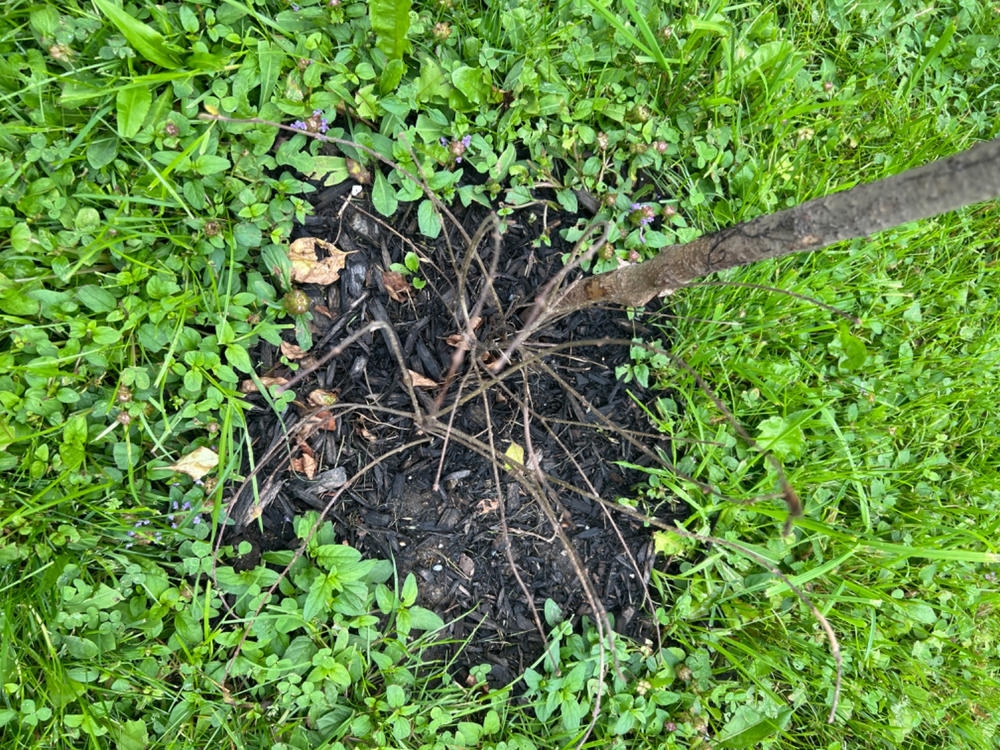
(451, 538)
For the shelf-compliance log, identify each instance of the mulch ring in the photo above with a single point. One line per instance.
(435, 508)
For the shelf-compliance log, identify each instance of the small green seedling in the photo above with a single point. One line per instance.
(409, 267)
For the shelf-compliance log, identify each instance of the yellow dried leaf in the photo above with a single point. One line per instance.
(515, 453)
(197, 463)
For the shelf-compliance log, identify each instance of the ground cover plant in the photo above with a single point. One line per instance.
(138, 276)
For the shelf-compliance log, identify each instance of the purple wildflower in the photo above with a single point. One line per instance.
(457, 148)
(642, 215)
(299, 125)
(295, 7)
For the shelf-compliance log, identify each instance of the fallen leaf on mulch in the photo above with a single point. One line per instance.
(462, 340)
(516, 453)
(396, 285)
(320, 420)
(305, 465)
(466, 565)
(487, 505)
(307, 268)
(197, 463)
(417, 380)
(292, 352)
(319, 397)
(248, 386)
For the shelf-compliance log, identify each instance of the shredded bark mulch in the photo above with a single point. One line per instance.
(434, 507)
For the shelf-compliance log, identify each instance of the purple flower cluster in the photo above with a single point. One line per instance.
(174, 518)
(457, 148)
(642, 215)
(133, 532)
(177, 507)
(315, 124)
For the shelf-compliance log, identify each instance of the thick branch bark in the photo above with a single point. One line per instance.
(965, 178)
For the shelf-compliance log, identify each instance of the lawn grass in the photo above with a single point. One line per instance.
(142, 258)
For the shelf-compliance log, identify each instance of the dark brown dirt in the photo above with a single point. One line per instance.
(449, 531)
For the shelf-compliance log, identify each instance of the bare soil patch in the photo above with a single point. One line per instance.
(435, 508)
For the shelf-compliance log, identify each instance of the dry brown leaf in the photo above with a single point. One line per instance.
(248, 386)
(305, 465)
(358, 172)
(292, 352)
(415, 379)
(461, 340)
(324, 311)
(396, 285)
(466, 565)
(197, 463)
(306, 266)
(319, 397)
(321, 420)
(487, 505)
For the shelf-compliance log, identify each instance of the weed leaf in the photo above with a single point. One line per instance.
(383, 196)
(269, 58)
(430, 223)
(144, 39)
(390, 21)
(747, 728)
(133, 106)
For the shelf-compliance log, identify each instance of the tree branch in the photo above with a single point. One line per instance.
(944, 185)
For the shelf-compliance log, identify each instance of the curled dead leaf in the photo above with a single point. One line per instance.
(416, 380)
(307, 268)
(466, 565)
(319, 397)
(324, 311)
(249, 386)
(323, 419)
(396, 285)
(197, 463)
(292, 352)
(305, 465)
(358, 172)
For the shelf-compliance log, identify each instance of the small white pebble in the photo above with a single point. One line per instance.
(437, 568)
